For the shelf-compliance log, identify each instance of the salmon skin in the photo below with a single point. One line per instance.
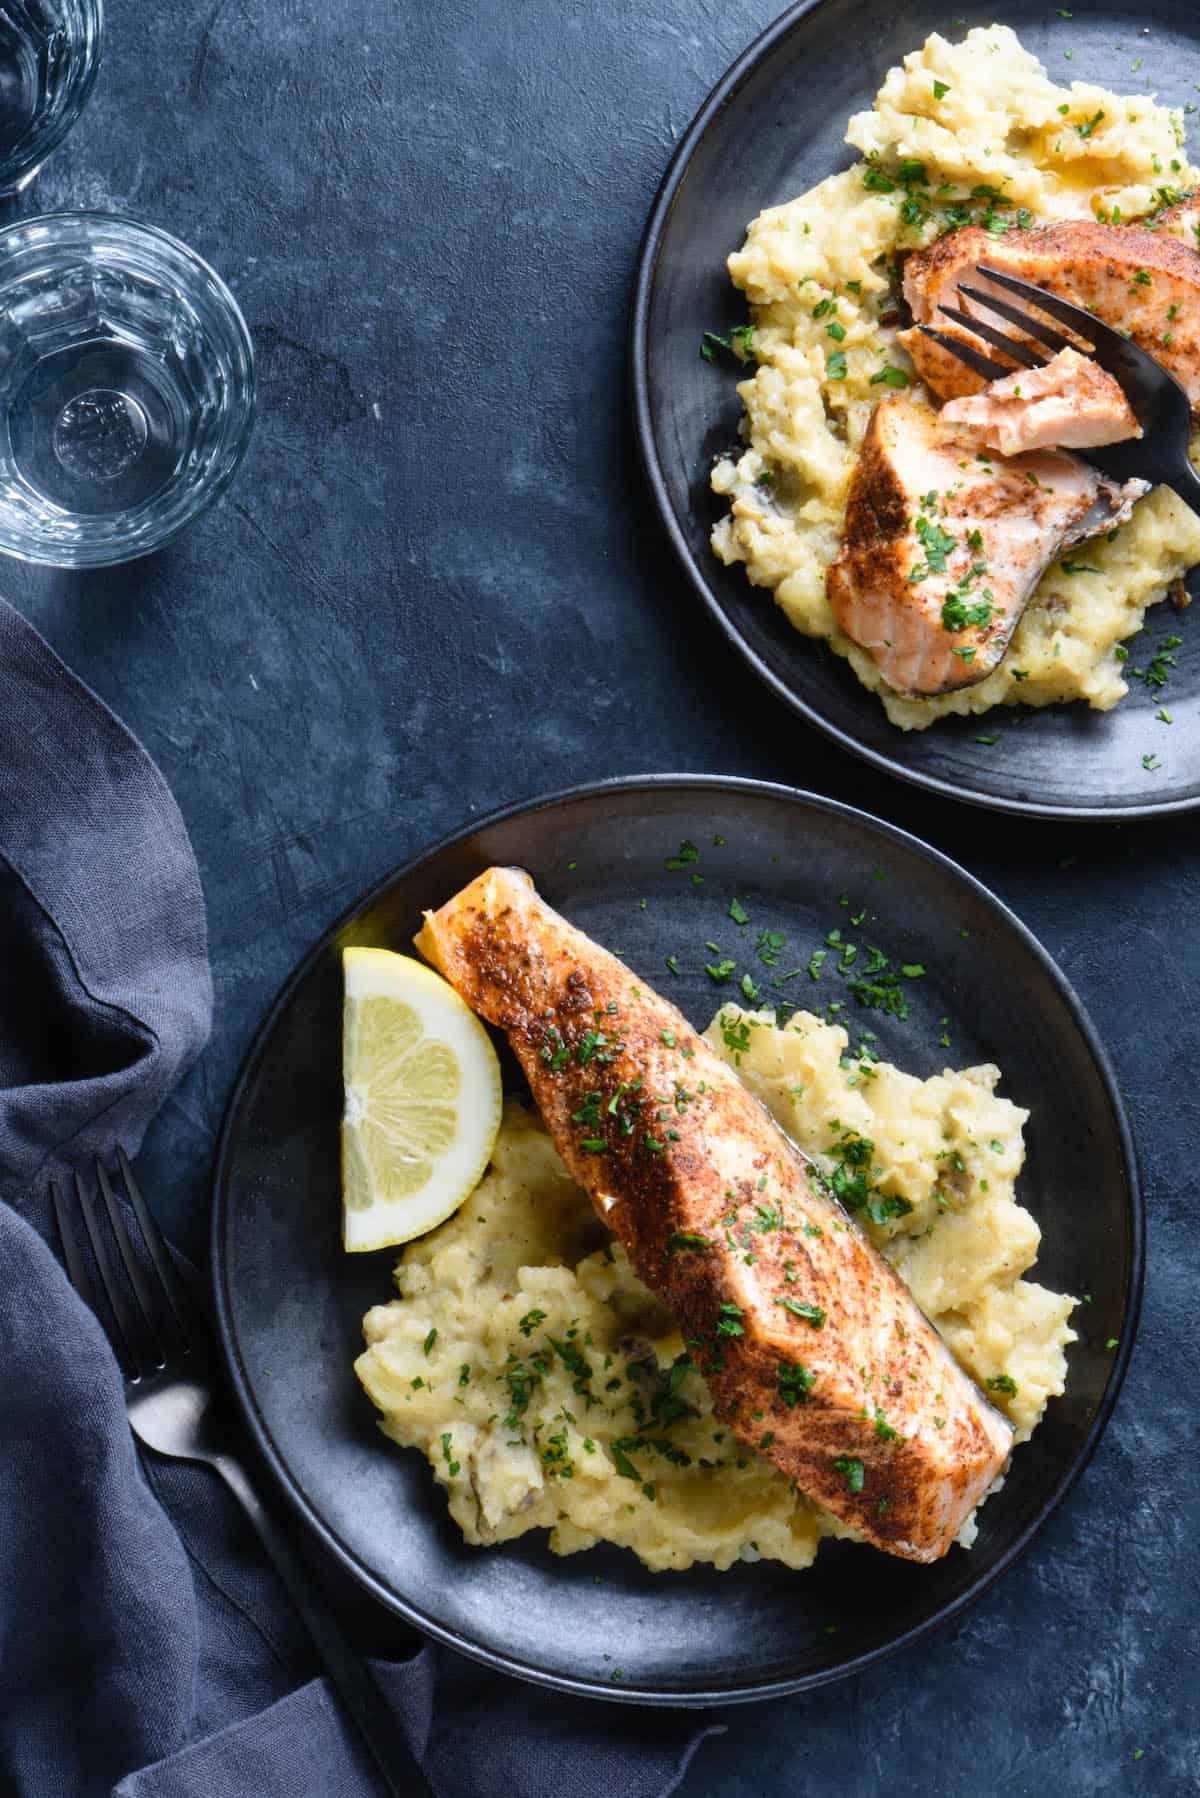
(814, 1351)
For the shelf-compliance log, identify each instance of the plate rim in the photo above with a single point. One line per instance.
(637, 349)
(272, 1453)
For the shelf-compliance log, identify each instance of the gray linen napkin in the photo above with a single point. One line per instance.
(145, 1648)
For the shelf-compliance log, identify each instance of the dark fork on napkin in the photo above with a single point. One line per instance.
(1158, 401)
(162, 1343)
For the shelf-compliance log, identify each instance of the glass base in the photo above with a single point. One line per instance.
(96, 428)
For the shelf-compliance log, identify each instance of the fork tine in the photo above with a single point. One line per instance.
(1036, 327)
(77, 1271)
(966, 353)
(179, 1301)
(1020, 352)
(119, 1305)
(137, 1278)
(1077, 318)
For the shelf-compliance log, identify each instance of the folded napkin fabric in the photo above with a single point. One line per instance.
(146, 1649)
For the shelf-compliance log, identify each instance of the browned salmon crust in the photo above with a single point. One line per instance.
(1146, 282)
(814, 1351)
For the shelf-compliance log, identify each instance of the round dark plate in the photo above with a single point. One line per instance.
(290, 1302)
(772, 128)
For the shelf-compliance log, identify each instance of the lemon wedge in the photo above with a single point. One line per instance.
(423, 1099)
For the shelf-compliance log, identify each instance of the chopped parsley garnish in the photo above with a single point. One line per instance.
(672, 962)
(622, 1463)
(883, 1428)
(575, 1362)
(451, 1465)
(591, 1045)
(1002, 1382)
(770, 945)
(530, 1322)
(740, 338)
(875, 181)
(1158, 671)
(1086, 129)
(940, 90)
(881, 1211)
(836, 331)
(795, 1383)
(521, 1380)
(835, 365)
(687, 1242)
(878, 986)
(556, 1462)
(688, 853)
(852, 1471)
(738, 912)
(937, 545)
(589, 1111)
(719, 972)
(812, 1314)
(957, 614)
(729, 1320)
(1078, 568)
(750, 990)
(430, 1340)
(464, 1374)
(889, 376)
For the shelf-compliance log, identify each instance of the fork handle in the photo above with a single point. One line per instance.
(350, 1678)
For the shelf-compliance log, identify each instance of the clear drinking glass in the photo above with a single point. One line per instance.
(49, 55)
(126, 388)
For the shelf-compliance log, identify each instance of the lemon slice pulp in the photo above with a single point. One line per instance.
(423, 1099)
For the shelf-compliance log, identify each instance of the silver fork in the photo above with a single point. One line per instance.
(163, 1346)
(1159, 403)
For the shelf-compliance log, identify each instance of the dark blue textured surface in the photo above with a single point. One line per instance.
(435, 587)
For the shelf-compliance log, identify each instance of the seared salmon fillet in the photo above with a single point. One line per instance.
(1144, 282)
(1071, 403)
(814, 1351)
(944, 545)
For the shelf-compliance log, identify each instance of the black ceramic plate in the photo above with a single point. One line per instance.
(772, 128)
(290, 1302)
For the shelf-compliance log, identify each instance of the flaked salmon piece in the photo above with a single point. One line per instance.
(1070, 403)
(944, 544)
(815, 1353)
(1141, 281)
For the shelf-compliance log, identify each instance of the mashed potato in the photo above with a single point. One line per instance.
(973, 132)
(550, 1390)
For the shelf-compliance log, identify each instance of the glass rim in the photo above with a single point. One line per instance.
(41, 144)
(157, 234)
